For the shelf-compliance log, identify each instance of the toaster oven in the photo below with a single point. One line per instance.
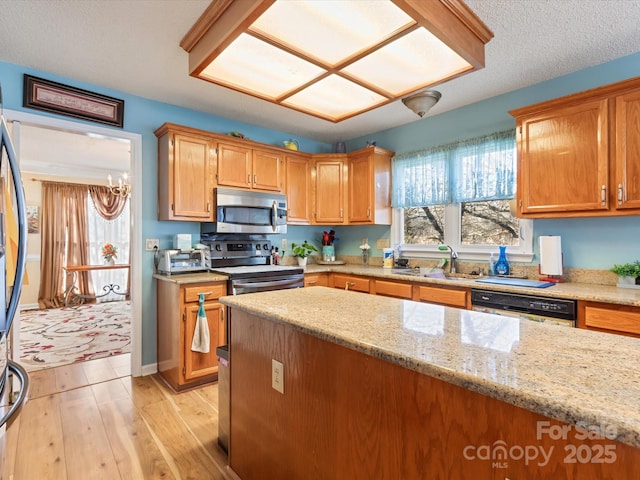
(180, 261)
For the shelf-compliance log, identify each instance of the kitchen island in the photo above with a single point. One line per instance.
(376, 387)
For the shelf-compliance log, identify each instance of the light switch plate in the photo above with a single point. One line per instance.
(277, 375)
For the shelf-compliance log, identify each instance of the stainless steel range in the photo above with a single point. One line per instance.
(247, 260)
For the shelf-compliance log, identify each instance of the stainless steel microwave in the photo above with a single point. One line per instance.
(245, 211)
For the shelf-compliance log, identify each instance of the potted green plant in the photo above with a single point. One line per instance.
(628, 274)
(302, 251)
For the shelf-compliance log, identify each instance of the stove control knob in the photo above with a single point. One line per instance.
(266, 247)
(218, 247)
(257, 246)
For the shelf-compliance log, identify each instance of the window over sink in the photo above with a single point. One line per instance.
(460, 195)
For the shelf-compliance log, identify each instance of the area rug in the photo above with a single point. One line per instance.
(60, 336)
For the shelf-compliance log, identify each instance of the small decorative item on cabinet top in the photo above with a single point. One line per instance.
(291, 144)
(109, 253)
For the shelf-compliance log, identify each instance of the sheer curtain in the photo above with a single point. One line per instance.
(116, 232)
(479, 169)
(64, 241)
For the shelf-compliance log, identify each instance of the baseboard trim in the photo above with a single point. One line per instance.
(29, 306)
(149, 369)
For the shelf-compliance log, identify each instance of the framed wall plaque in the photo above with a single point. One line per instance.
(62, 99)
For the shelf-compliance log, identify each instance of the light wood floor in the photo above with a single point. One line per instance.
(92, 420)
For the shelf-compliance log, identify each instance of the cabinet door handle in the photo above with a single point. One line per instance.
(249, 179)
(369, 212)
(311, 282)
(341, 216)
(620, 194)
(208, 207)
(603, 195)
(349, 284)
(255, 179)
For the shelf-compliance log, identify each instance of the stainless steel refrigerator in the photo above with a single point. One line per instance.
(12, 394)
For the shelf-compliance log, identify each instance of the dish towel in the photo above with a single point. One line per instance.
(200, 341)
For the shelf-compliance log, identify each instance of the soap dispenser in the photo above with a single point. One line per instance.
(492, 266)
(502, 265)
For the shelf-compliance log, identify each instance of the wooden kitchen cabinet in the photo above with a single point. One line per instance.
(298, 188)
(241, 166)
(329, 189)
(316, 279)
(369, 186)
(606, 317)
(186, 165)
(349, 282)
(449, 297)
(177, 306)
(393, 289)
(580, 155)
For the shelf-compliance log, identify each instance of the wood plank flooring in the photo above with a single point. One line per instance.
(92, 420)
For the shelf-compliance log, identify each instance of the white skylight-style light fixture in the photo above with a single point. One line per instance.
(334, 59)
(422, 102)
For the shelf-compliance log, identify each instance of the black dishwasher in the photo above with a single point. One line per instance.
(558, 311)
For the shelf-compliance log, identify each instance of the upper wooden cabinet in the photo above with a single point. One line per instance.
(352, 189)
(298, 188)
(579, 155)
(369, 191)
(186, 164)
(245, 167)
(329, 179)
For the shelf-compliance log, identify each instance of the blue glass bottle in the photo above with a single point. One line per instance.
(502, 265)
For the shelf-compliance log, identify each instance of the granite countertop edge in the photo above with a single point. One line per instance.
(627, 431)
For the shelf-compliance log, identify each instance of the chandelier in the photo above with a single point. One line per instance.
(123, 188)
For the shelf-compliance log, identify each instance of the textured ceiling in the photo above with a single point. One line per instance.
(133, 46)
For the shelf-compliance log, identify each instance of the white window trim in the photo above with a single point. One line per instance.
(520, 254)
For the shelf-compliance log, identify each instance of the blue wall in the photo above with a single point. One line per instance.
(143, 116)
(586, 243)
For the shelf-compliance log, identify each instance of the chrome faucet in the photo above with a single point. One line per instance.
(453, 256)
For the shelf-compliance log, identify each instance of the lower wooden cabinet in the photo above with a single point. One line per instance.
(606, 317)
(349, 282)
(394, 289)
(316, 279)
(450, 297)
(178, 365)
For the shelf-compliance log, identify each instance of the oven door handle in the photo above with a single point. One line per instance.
(239, 287)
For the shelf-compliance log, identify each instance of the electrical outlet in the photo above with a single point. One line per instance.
(151, 244)
(284, 244)
(277, 376)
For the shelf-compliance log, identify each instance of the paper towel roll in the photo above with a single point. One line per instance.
(550, 255)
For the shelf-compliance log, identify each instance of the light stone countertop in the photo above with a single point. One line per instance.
(567, 374)
(196, 277)
(569, 290)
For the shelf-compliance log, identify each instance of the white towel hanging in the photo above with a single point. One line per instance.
(201, 341)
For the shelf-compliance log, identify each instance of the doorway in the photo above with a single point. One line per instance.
(23, 125)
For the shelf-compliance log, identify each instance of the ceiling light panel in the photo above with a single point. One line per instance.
(334, 98)
(252, 65)
(331, 30)
(416, 60)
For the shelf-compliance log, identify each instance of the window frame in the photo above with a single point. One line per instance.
(522, 253)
